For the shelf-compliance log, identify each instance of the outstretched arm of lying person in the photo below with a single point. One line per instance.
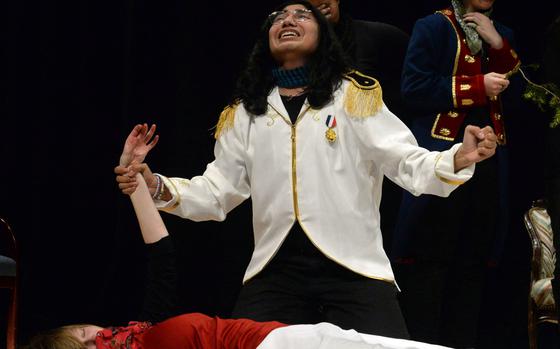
(160, 298)
(150, 221)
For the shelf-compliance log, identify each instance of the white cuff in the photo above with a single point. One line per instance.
(445, 168)
(175, 198)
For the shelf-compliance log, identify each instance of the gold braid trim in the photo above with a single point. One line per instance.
(363, 97)
(443, 179)
(450, 181)
(227, 116)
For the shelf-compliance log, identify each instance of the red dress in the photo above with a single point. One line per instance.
(188, 331)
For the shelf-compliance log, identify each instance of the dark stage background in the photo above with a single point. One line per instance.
(77, 76)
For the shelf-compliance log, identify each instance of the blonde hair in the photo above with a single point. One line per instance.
(58, 338)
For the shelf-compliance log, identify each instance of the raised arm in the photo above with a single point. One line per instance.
(160, 299)
(223, 186)
(150, 221)
(478, 145)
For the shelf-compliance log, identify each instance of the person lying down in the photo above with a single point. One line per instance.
(161, 330)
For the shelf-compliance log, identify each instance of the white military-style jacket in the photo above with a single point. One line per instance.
(325, 171)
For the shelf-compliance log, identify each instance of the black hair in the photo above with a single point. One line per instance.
(326, 67)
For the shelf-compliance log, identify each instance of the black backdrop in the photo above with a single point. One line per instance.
(76, 77)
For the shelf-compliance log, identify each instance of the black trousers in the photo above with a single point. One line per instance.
(302, 286)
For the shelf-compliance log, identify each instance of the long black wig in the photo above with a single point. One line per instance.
(326, 67)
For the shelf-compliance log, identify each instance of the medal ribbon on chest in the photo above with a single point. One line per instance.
(331, 124)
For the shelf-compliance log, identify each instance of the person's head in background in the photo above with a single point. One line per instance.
(342, 24)
(478, 5)
(329, 8)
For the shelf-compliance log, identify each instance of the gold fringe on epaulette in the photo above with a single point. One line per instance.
(360, 102)
(227, 116)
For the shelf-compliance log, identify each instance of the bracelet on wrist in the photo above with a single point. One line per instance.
(161, 192)
(159, 185)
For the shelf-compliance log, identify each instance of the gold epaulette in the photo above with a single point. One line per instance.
(227, 116)
(363, 97)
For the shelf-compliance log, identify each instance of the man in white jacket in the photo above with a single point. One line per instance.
(310, 142)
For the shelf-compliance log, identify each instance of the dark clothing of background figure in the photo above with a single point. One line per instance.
(441, 247)
(552, 187)
(552, 170)
(378, 50)
(332, 292)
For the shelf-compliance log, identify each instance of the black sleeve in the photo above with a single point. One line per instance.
(552, 191)
(380, 52)
(552, 174)
(552, 53)
(552, 181)
(160, 299)
(552, 169)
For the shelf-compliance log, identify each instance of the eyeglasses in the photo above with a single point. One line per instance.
(299, 15)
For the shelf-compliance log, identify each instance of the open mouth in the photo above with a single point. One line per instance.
(290, 33)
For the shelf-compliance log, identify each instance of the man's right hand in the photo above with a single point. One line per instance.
(126, 177)
(495, 83)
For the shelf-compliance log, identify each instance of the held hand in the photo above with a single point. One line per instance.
(138, 143)
(485, 28)
(478, 144)
(495, 83)
(126, 178)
